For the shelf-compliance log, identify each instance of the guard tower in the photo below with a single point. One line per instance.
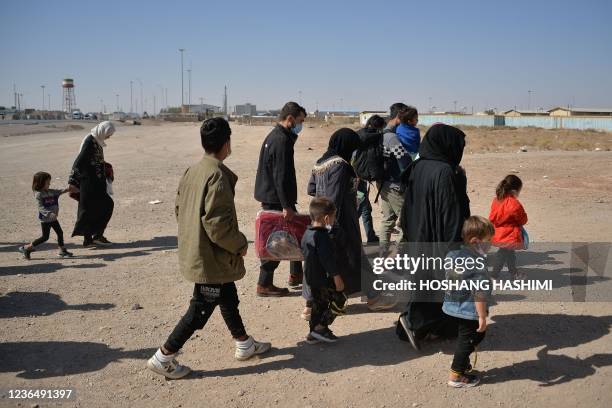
(68, 99)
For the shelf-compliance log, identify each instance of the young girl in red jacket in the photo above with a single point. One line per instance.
(508, 217)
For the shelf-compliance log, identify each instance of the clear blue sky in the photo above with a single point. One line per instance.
(349, 54)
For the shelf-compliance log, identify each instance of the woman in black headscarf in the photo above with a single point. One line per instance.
(435, 206)
(333, 177)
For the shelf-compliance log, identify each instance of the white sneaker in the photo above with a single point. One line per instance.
(172, 369)
(256, 348)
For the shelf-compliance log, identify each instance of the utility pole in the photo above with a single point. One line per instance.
(49, 98)
(430, 105)
(43, 93)
(154, 106)
(182, 83)
(166, 98)
(455, 110)
(15, 94)
(189, 90)
(117, 96)
(131, 96)
(529, 99)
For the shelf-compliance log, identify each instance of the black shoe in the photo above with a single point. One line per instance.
(409, 332)
(65, 254)
(88, 243)
(26, 252)
(324, 335)
(311, 340)
(102, 241)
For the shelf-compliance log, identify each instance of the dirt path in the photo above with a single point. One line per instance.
(70, 323)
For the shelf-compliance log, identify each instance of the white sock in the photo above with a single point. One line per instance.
(163, 358)
(243, 345)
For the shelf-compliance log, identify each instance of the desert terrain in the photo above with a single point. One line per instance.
(71, 323)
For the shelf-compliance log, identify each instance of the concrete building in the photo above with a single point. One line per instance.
(518, 112)
(245, 110)
(201, 108)
(365, 115)
(560, 111)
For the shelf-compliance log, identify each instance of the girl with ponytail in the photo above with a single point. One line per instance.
(508, 217)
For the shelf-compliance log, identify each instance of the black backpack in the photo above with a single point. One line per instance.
(369, 161)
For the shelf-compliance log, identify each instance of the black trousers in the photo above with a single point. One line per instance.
(267, 268)
(504, 256)
(203, 303)
(467, 340)
(321, 301)
(46, 229)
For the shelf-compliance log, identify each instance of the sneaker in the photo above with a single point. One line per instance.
(311, 340)
(102, 241)
(65, 254)
(88, 243)
(381, 303)
(409, 332)
(256, 348)
(26, 252)
(324, 335)
(464, 381)
(171, 369)
(295, 281)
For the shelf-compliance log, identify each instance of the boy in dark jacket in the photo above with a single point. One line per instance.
(211, 250)
(322, 275)
(276, 188)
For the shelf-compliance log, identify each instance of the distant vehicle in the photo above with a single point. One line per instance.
(91, 116)
(77, 115)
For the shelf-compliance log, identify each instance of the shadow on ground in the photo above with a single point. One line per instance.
(22, 304)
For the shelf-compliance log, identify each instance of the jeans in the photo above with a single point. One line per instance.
(203, 303)
(504, 256)
(267, 268)
(467, 341)
(46, 229)
(364, 209)
(391, 202)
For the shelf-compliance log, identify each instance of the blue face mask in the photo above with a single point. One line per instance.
(297, 128)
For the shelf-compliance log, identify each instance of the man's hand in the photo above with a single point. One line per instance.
(288, 213)
(482, 324)
(338, 283)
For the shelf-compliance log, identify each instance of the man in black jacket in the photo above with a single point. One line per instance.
(276, 188)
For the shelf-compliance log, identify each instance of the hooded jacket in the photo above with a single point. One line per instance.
(508, 216)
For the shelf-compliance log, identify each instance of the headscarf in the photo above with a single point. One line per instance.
(443, 143)
(100, 132)
(343, 142)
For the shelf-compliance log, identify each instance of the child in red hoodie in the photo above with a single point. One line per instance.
(508, 217)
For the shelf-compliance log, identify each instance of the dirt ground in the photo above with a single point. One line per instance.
(70, 323)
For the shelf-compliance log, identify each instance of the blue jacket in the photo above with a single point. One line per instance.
(460, 303)
(410, 137)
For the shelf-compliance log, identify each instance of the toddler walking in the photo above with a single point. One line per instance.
(48, 209)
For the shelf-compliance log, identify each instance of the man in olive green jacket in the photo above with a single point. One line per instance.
(211, 250)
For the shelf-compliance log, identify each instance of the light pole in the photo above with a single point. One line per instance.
(529, 99)
(49, 98)
(429, 98)
(43, 93)
(189, 86)
(141, 100)
(182, 83)
(117, 96)
(131, 96)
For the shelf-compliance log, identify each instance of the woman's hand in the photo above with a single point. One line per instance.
(338, 283)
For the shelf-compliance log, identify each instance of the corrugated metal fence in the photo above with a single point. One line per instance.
(546, 122)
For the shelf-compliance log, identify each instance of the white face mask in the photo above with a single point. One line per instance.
(328, 227)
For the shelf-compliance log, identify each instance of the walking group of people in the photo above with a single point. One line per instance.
(90, 183)
(422, 190)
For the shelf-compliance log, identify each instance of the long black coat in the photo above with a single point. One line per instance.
(435, 207)
(334, 178)
(95, 205)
